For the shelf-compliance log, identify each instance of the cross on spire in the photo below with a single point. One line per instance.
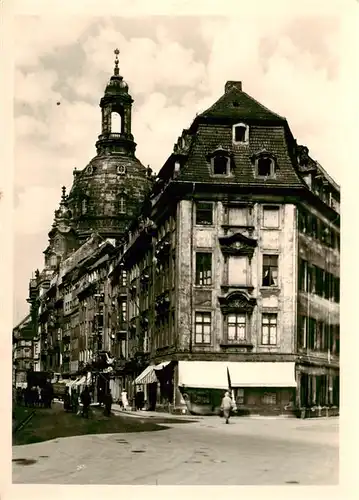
(116, 70)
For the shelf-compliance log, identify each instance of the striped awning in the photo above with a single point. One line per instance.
(162, 365)
(148, 376)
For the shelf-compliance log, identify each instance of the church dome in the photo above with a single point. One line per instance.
(108, 192)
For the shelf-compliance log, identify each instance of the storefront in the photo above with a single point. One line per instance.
(265, 388)
(156, 382)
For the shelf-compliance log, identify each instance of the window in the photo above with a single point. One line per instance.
(121, 169)
(239, 396)
(303, 275)
(204, 214)
(265, 167)
(84, 206)
(269, 329)
(122, 205)
(240, 133)
(312, 333)
(123, 311)
(220, 165)
(116, 123)
(236, 324)
(269, 398)
(270, 270)
(302, 332)
(271, 217)
(203, 268)
(238, 216)
(319, 281)
(124, 278)
(203, 328)
(336, 286)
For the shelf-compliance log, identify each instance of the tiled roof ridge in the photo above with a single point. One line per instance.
(238, 92)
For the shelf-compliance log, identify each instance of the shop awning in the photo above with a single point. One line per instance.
(162, 365)
(213, 374)
(262, 374)
(202, 374)
(80, 381)
(148, 376)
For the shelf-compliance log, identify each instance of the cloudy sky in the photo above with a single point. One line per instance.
(175, 67)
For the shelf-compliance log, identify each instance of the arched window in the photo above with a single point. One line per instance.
(116, 123)
(122, 204)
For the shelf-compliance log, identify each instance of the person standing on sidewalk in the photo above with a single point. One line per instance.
(86, 401)
(124, 399)
(108, 400)
(226, 406)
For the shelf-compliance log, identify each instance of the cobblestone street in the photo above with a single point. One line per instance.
(249, 451)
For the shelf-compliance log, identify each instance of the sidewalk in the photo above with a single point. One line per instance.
(117, 409)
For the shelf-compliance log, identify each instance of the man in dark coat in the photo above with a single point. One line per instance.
(108, 400)
(86, 401)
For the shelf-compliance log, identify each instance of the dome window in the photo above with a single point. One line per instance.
(84, 206)
(90, 170)
(121, 170)
(122, 204)
(240, 133)
(116, 123)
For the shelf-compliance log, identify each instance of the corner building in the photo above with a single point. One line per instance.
(233, 269)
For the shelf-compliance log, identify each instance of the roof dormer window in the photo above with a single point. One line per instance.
(265, 164)
(220, 165)
(240, 133)
(220, 160)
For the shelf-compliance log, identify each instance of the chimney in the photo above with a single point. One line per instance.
(230, 84)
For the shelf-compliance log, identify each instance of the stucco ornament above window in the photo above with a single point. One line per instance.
(238, 301)
(237, 244)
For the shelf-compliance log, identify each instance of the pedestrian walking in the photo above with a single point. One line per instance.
(124, 399)
(140, 400)
(86, 401)
(74, 400)
(226, 406)
(67, 400)
(108, 400)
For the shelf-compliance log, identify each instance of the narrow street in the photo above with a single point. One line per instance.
(249, 451)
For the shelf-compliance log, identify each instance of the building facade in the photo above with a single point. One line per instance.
(223, 271)
(234, 270)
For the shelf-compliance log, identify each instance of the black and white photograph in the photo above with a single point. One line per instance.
(177, 241)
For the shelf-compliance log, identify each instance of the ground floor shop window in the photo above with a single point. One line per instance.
(269, 398)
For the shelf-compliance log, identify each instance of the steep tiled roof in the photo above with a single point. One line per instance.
(270, 137)
(236, 105)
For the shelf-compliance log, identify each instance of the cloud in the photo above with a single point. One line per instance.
(35, 210)
(37, 36)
